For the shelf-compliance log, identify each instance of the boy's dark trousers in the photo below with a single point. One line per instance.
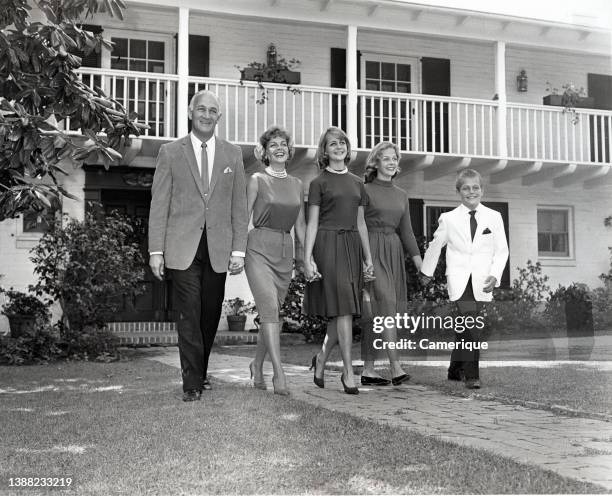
(465, 361)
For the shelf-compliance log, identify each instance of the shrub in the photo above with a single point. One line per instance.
(435, 291)
(90, 267)
(313, 328)
(34, 346)
(20, 303)
(521, 306)
(89, 343)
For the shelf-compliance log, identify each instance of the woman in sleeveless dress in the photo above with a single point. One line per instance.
(336, 251)
(275, 201)
(391, 240)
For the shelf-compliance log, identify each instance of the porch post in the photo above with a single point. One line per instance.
(351, 85)
(182, 70)
(500, 89)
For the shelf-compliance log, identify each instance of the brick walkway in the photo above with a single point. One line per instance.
(573, 447)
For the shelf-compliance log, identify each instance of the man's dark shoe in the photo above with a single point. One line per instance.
(206, 386)
(374, 381)
(191, 395)
(456, 376)
(472, 384)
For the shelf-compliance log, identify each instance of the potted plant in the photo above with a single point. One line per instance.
(274, 70)
(24, 312)
(571, 98)
(236, 310)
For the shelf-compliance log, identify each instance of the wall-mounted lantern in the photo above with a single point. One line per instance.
(521, 81)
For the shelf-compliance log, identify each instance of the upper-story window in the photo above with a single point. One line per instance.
(144, 96)
(387, 118)
(138, 55)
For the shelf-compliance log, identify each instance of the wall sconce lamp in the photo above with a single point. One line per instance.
(521, 81)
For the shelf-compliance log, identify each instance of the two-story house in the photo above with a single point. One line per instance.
(454, 88)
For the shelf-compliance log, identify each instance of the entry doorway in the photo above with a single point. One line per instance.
(154, 303)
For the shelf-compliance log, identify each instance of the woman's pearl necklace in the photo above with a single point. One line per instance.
(281, 175)
(334, 171)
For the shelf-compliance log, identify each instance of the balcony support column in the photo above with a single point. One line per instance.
(351, 85)
(502, 103)
(182, 70)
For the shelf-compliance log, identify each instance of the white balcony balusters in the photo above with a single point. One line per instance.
(417, 123)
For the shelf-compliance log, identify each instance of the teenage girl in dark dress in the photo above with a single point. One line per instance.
(336, 251)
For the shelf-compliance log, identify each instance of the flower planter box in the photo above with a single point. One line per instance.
(270, 76)
(236, 323)
(557, 100)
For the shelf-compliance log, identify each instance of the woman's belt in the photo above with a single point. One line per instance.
(338, 230)
(285, 234)
(382, 229)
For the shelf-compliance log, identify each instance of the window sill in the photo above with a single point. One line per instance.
(557, 262)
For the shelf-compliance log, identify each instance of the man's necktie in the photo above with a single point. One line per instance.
(204, 169)
(473, 223)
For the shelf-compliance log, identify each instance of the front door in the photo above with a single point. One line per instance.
(152, 305)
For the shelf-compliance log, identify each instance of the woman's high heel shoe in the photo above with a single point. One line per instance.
(257, 384)
(283, 392)
(348, 390)
(313, 366)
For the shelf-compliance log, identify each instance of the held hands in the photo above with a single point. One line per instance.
(156, 262)
(236, 264)
(368, 272)
(423, 279)
(311, 272)
(489, 284)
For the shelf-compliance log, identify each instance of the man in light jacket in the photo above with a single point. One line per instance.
(198, 231)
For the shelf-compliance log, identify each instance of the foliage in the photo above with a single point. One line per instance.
(520, 306)
(313, 328)
(607, 277)
(46, 343)
(39, 88)
(89, 267)
(20, 303)
(570, 97)
(273, 71)
(34, 346)
(602, 308)
(237, 306)
(89, 343)
(435, 292)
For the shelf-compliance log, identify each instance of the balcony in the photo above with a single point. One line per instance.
(438, 135)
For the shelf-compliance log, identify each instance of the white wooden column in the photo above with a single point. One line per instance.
(351, 85)
(182, 71)
(500, 89)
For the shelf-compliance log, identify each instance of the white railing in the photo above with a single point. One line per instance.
(425, 123)
(546, 133)
(148, 96)
(249, 108)
(417, 123)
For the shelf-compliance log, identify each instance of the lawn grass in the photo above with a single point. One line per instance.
(569, 386)
(121, 428)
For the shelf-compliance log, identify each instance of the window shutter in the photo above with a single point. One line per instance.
(199, 55)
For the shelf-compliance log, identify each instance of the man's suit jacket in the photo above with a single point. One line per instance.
(485, 256)
(180, 210)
